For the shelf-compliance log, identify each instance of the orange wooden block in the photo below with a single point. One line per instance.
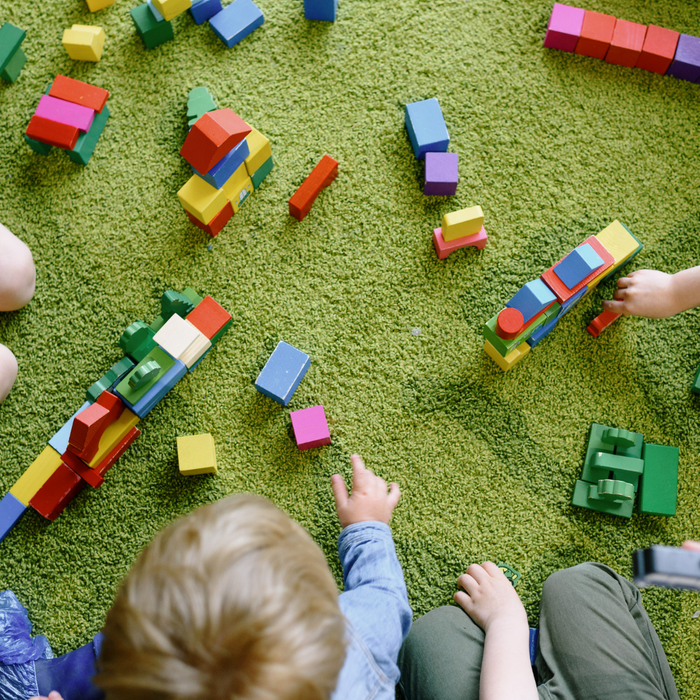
(321, 176)
(79, 93)
(58, 491)
(89, 476)
(596, 34)
(52, 133)
(209, 317)
(627, 42)
(213, 228)
(108, 462)
(601, 322)
(658, 50)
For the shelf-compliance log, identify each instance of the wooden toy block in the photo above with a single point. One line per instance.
(243, 193)
(36, 476)
(52, 133)
(152, 32)
(686, 62)
(586, 496)
(321, 10)
(627, 43)
(580, 263)
(504, 347)
(658, 50)
(261, 173)
(659, 488)
(199, 100)
(59, 441)
(227, 166)
(154, 11)
(216, 225)
(441, 174)
(465, 222)
(182, 340)
(119, 449)
(233, 185)
(84, 43)
(282, 373)
(695, 388)
(172, 302)
(113, 436)
(157, 392)
(132, 396)
(79, 93)
(87, 429)
(573, 300)
(113, 375)
(600, 441)
(64, 112)
(604, 465)
(205, 9)
(38, 147)
(564, 27)
(601, 322)
(236, 21)
(11, 510)
(596, 34)
(201, 200)
(209, 317)
(196, 454)
(321, 176)
(621, 243)
(95, 5)
(14, 67)
(617, 437)
(509, 324)
(193, 297)
(615, 491)
(85, 146)
(532, 299)
(426, 128)
(511, 359)
(75, 464)
(259, 152)
(58, 491)
(443, 248)
(553, 314)
(137, 341)
(11, 39)
(212, 137)
(171, 8)
(310, 427)
(510, 573)
(144, 374)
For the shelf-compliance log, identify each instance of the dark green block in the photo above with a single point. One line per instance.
(152, 32)
(261, 173)
(215, 339)
(113, 374)
(192, 296)
(172, 303)
(38, 146)
(11, 38)
(14, 67)
(582, 492)
(137, 341)
(658, 491)
(602, 464)
(86, 143)
(597, 444)
(695, 388)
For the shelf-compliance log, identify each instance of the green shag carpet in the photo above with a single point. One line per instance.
(553, 146)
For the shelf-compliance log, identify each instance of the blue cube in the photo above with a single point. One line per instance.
(236, 21)
(205, 9)
(282, 373)
(426, 128)
(577, 265)
(323, 10)
(60, 440)
(11, 510)
(532, 298)
(228, 165)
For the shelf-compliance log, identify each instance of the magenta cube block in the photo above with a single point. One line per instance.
(441, 174)
(65, 113)
(310, 427)
(564, 27)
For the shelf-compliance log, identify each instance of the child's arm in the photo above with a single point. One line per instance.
(656, 294)
(491, 601)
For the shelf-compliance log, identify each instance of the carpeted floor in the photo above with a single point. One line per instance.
(552, 146)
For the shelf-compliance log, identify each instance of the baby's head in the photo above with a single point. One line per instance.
(234, 600)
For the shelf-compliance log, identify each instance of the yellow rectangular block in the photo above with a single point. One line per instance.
(196, 454)
(171, 8)
(511, 359)
(113, 435)
(202, 200)
(84, 43)
(260, 151)
(618, 241)
(465, 222)
(37, 475)
(235, 183)
(95, 5)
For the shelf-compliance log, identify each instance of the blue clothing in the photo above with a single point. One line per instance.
(375, 604)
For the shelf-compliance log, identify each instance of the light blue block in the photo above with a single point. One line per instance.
(531, 298)
(321, 10)
(60, 440)
(158, 391)
(236, 21)
(228, 165)
(156, 14)
(577, 265)
(426, 128)
(282, 373)
(205, 9)
(11, 510)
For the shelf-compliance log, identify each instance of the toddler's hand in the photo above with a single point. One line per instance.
(369, 500)
(489, 596)
(53, 695)
(647, 293)
(691, 544)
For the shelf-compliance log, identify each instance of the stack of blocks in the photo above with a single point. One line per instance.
(12, 58)
(624, 43)
(100, 431)
(71, 116)
(321, 176)
(534, 311)
(619, 466)
(84, 43)
(460, 229)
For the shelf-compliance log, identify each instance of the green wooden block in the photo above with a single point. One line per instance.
(157, 324)
(615, 491)
(695, 388)
(152, 32)
(137, 341)
(14, 67)
(597, 444)
(117, 370)
(505, 346)
(38, 146)
(215, 339)
(144, 374)
(618, 437)
(193, 296)
(11, 38)
(261, 173)
(510, 573)
(586, 496)
(603, 465)
(175, 303)
(85, 146)
(133, 395)
(199, 102)
(658, 491)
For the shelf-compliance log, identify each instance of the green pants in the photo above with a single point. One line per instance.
(596, 642)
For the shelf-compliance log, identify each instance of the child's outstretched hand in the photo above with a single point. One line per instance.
(53, 695)
(647, 293)
(369, 499)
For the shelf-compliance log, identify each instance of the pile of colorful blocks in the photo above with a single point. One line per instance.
(71, 115)
(534, 311)
(155, 358)
(12, 58)
(624, 43)
(460, 229)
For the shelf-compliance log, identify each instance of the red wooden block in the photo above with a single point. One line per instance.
(596, 34)
(321, 176)
(79, 93)
(58, 491)
(627, 42)
(444, 248)
(213, 135)
(509, 324)
(601, 322)
(658, 50)
(112, 403)
(209, 317)
(88, 475)
(52, 133)
(87, 425)
(213, 228)
(108, 462)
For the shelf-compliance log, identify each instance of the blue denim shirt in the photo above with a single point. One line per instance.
(375, 604)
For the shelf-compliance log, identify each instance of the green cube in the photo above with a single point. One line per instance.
(658, 491)
(14, 67)
(85, 146)
(152, 32)
(38, 146)
(11, 38)
(261, 173)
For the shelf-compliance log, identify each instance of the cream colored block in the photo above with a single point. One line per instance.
(260, 151)
(37, 475)
(171, 8)
(511, 359)
(95, 5)
(181, 340)
(202, 200)
(618, 241)
(465, 222)
(196, 454)
(84, 43)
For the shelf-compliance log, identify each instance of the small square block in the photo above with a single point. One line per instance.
(627, 42)
(236, 21)
(658, 50)
(441, 174)
(216, 225)
(209, 317)
(152, 32)
(59, 441)
(227, 166)
(443, 248)
(11, 510)
(321, 10)
(205, 9)
(531, 299)
(310, 427)
(84, 43)
(578, 265)
(564, 27)
(65, 112)
(282, 373)
(686, 62)
(426, 128)
(177, 336)
(596, 34)
(196, 454)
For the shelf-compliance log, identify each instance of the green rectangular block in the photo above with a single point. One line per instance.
(14, 67)
(261, 173)
(658, 491)
(86, 143)
(582, 498)
(602, 464)
(215, 339)
(134, 396)
(596, 444)
(152, 32)
(695, 388)
(38, 146)
(11, 38)
(505, 346)
(114, 373)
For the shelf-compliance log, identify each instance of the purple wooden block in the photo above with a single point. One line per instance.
(65, 112)
(564, 27)
(686, 62)
(441, 174)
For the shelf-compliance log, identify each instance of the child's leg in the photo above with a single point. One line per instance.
(8, 371)
(596, 640)
(17, 272)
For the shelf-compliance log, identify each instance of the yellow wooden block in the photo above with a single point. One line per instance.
(240, 197)
(84, 43)
(511, 359)
(196, 454)
(260, 151)
(235, 183)
(464, 222)
(37, 475)
(202, 200)
(113, 435)
(171, 8)
(618, 241)
(95, 5)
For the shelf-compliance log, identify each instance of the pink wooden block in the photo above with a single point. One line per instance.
(443, 249)
(65, 112)
(564, 27)
(310, 427)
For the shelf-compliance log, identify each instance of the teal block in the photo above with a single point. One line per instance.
(38, 146)
(11, 38)
(86, 143)
(586, 496)
(14, 67)
(152, 32)
(695, 388)
(261, 173)
(659, 488)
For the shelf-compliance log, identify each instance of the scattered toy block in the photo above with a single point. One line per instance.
(205, 9)
(658, 491)
(52, 133)
(511, 359)
(38, 147)
(686, 62)
(658, 50)
(236, 21)
(596, 34)
(510, 573)
(282, 373)
(89, 476)
(441, 174)
(541, 332)
(586, 496)
(172, 8)
(84, 43)
(152, 32)
(321, 176)
(11, 510)
(95, 5)
(36, 476)
(64, 112)
(196, 454)
(605, 465)
(621, 243)
(11, 39)
(259, 152)
(79, 93)
(321, 10)
(426, 128)
(532, 299)
(580, 263)
(601, 322)
(14, 67)
(209, 317)
(509, 323)
(113, 436)
(227, 166)
(615, 491)
(695, 388)
(182, 340)
(261, 173)
(216, 225)
(564, 27)
(87, 429)
(59, 441)
(58, 491)
(137, 341)
(310, 427)
(626, 44)
(443, 248)
(462, 223)
(119, 449)
(86, 143)
(158, 391)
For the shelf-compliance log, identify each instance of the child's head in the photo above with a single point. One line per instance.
(234, 600)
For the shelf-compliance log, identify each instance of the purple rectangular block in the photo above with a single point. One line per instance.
(686, 62)
(441, 174)
(564, 27)
(65, 113)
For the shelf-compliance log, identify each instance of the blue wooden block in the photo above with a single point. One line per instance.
(156, 14)
(282, 373)
(531, 298)
(426, 128)
(205, 9)
(60, 440)
(236, 21)
(534, 641)
(577, 265)
(11, 510)
(323, 10)
(228, 165)
(572, 301)
(158, 391)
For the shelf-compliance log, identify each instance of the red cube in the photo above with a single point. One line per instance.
(627, 42)
(596, 34)
(658, 50)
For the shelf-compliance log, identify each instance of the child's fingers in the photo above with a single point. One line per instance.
(468, 583)
(477, 573)
(624, 282)
(394, 495)
(691, 544)
(340, 491)
(360, 473)
(617, 307)
(463, 600)
(620, 294)
(492, 569)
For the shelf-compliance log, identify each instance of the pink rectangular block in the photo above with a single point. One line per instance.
(564, 27)
(65, 112)
(443, 249)
(310, 427)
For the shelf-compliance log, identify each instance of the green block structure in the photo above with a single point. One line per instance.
(586, 496)
(199, 102)
(12, 58)
(659, 489)
(261, 173)
(193, 296)
(112, 375)
(134, 394)
(604, 464)
(505, 346)
(85, 146)
(137, 341)
(152, 32)
(14, 67)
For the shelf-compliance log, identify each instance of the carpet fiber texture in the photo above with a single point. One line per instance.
(553, 146)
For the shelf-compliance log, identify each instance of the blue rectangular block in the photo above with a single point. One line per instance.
(60, 440)
(541, 332)
(322, 10)
(236, 21)
(577, 265)
(282, 373)
(205, 9)
(228, 165)
(11, 510)
(158, 391)
(531, 298)
(426, 128)
(156, 14)
(572, 301)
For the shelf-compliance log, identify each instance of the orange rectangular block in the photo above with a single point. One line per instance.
(627, 42)
(58, 491)
(658, 50)
(601, 322)
(52, 133)
(321, 176)
(596, 34)
(214, 227)
(79, 93)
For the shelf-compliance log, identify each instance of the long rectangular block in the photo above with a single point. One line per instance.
(236, 21)
(321, 10)
(426, 128)
(14, 67)
(11, 510)
(58, 491)
(64, 112)
(658, 491)
(321, 176)
(79, 93)
(601, 322)
(564, 27)
(52, 133)
(26, 487)
(227, 166)
(11, 38)
(86, 143)
(283, 373)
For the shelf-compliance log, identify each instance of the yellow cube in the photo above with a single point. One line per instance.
(171, 8)
(618, 241)
(37, 475)
(511, 359)
(95, 5)
(260, 151)
(464, 222)
(196, 454)
(84, 43)
(202, 200)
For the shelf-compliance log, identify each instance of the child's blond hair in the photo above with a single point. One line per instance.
(234, 600)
